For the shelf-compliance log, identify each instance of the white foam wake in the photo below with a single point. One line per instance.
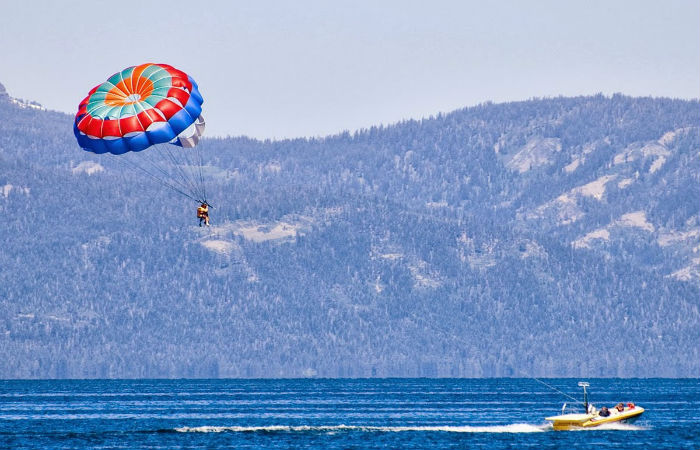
(619, 426)
(513, 428)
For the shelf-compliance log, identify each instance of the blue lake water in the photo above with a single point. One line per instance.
(337, 414)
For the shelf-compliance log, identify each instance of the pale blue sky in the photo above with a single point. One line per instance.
(276, 69)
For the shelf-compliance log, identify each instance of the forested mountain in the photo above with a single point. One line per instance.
(551, 237)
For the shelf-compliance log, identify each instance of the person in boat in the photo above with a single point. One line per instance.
(620, 407)
(203, 214)
(604, 412)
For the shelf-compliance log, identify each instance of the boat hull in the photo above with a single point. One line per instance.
(577, 421)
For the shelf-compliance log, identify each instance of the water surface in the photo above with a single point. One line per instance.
(337, 414)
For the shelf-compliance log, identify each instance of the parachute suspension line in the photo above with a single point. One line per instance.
(197, 172)
(158, 167)
(198, 153)
(184, 178)
(198, 163)
(165, 183)
(188, 172)
(174, 176)
(127, 164)
(196, 167)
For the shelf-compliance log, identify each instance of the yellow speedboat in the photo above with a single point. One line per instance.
(594, 418)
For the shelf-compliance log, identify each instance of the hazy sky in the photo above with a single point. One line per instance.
(275, 69)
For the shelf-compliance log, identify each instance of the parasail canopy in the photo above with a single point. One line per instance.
(139, 107)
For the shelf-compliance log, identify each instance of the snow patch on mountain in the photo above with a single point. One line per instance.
(689, 273)
(537, 152)
(667, 138)
(572, 166)
(221, 240)
(671, 136)
(423, 275)
(656, 165)
(594, 189)
(578, 160)
(566, 208)
(5, 190)
(88, 167)
(286, 229)
(675, 237)
(275, 231)
(219, 246)
(585, 241)
(638, 151)
(391, 256)
(625, 183)
(636, 219)
(531, 249)
(27, 104)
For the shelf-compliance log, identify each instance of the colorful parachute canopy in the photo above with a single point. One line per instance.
(139, 107)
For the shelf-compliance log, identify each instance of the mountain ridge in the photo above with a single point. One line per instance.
(550, 237)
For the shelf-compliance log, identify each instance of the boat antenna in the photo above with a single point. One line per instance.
(584, 385)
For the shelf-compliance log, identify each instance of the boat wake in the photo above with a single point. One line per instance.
(619, 426)
(514, 428)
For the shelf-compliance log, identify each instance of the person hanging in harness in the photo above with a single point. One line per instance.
(203, 214)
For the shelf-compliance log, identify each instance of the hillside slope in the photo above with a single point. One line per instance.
(553, 237)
